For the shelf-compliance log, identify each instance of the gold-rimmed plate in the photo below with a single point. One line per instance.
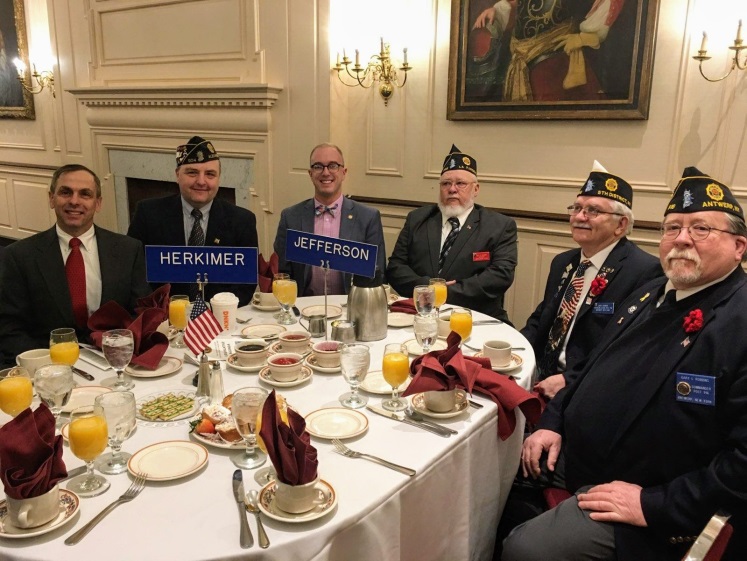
(165, 461)
(462, 404)
(336, 422)
(266, 376)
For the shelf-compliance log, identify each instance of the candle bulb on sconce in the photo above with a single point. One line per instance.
(357, 58)
(736, 62)
(738, 40)
(44, 79)
(704, 43)
(404, 59)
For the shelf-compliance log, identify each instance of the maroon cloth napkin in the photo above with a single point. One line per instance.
(266, 271)
(288, 446)
(449, 369)
(406, 306)
(30, 454)
(150, 344)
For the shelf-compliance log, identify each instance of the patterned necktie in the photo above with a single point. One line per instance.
(197, 235)
(321, 209)
(75, 270)
(548, 365)
(448, 242)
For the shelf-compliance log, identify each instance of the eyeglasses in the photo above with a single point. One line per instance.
(589, 211)
(698, 232)
(461, 185)
(319, 168)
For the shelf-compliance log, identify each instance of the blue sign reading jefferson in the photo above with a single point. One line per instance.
(339, 255)
(167, 263)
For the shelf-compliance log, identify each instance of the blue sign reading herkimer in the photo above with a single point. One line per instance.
(170, 263)
(339, 255)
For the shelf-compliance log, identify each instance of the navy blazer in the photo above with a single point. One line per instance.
(160, 222)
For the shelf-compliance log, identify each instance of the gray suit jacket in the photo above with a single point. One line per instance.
(34, 297)
(359, 223)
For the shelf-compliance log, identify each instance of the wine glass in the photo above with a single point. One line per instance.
(87, 435)
(63, 346)
(178, 318)
(424, 298)
(286, 292)
(119, 410)
(461, 322)
(439, 285)
(54, 383)
(245, 406)
(16, 391)
(395, 367)
(426, 329)
(354, 361)
(118, 346)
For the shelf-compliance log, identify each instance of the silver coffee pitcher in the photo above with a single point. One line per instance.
(367, 307)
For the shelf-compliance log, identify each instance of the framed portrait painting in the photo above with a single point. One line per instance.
(15, 102)
(551, 59)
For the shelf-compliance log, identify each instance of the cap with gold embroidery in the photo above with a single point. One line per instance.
(458, 160)
(697, 192)
(603, 184)
(196, 151)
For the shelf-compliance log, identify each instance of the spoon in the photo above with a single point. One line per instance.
(251, 505)
(418, 418)
(247, 320)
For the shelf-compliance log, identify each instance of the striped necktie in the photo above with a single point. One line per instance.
(448, 242)
(196, 238)
(75, 271)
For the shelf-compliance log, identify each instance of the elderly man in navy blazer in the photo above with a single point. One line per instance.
(331, 214)
(566, 326)
(195, 217)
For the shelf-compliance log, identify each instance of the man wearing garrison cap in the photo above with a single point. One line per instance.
(195, 216)
(651, 431)
(473, 248)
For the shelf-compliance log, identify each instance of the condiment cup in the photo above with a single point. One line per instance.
(295, 341)
(34, 511)
(251, 352)
(327, 354)
(33, 359)
(441, 401)
(499, 353)
(296, 498)
(285, 367)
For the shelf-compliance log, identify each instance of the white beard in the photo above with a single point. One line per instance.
(680, 277)
(448, 210)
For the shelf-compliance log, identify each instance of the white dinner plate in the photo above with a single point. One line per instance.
(82, 396)
(179, 393)
(168, 460)
(280, 347)
(168, 365)
(374, 383)
(462, 404)
(326, 501)
(266, 331)
(266, 377)
(516, 362)
(311, 362)
(336, 422)
(218, 443)
(233, 362)
(414, 348)
(333, 311)
(69, 505)
(399, 319)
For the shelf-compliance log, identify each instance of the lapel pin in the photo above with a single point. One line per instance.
(469, 227)
(686, 342)
(350, 216)
(619, 322)
(632, 309)
(645, 296)
(216, 240)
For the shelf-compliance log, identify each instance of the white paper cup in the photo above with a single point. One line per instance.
(35, 511)
(33, 359)
(499, 353)
(225, 306)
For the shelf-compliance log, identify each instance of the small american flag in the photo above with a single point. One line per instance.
(202, 327)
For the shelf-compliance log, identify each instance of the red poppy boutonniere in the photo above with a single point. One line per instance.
(693, 321)
(597, 286)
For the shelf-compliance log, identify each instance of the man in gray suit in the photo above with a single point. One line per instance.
(329, 213)
(58, 277)
(473, 248)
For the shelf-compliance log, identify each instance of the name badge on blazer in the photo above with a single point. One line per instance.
(481, 256)
(696, 388)
(607, 308)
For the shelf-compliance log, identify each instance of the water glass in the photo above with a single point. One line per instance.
(118, 346)
(424, 297)
(87, 435)
(119, 410)
(16, 390)
(395, 367)
(178, 318)
(354, 361)
(54, 383)
(63, 346)
(426, 330)
(246, 406)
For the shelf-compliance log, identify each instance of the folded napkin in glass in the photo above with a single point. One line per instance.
(406, 306)
(449, 369)
(266, 271)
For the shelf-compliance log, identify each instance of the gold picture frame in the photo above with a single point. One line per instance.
(535, 60)
(15, 101)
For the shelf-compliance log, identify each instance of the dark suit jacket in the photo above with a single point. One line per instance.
(480, 284)
(621, 418)
(160, 222)
(627, 267)
(360, 223)
(35, 299)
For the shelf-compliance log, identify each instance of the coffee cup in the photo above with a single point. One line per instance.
(285, 367)
(33, 359)
(441, 401)
(225, 306)
(251, 352)
(499, 353)
(294, 341)
(34, 511)
(327, 354)
(444, 327)
(296, 498)
(265, 299)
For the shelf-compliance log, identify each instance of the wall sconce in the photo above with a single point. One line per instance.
(737, 47)
(44, 79)
(379, 69)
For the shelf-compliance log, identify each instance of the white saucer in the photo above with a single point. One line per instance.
(266, 377)
(399, 319)
(336, 422)
(414, 348)
(310, 361)
(168, 460)
(277, 347)
(266, 331)
(259, 307)
(325, 505)
(232, 361)
(375, 383)
(82, 396)
(333, 311)
(516, 362)
(168, 365)
(69, 505)
(462, 404)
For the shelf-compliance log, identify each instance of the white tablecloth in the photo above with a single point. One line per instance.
(448, 511)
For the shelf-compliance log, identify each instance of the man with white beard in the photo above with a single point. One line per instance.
(473, 248)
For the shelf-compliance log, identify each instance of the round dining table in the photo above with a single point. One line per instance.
(448, 511)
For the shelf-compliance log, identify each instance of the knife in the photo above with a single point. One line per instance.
(392, 415)
(83, 373)
(246, 540)
(74, 472)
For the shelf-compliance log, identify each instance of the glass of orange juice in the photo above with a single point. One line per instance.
(16, 391)
(178, 318)
(461, 322)
(395, 367)
(286, 292)
(275, 278)
(439, 285)
(88, 436)
(63, 346)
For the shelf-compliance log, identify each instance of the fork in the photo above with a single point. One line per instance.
(133, 491)
(345, 451)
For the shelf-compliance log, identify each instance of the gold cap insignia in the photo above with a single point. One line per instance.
(715, 191)
(611, 184)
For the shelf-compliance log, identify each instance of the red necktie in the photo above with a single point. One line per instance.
(75, 271)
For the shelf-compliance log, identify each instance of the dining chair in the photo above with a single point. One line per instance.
(711, 544)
